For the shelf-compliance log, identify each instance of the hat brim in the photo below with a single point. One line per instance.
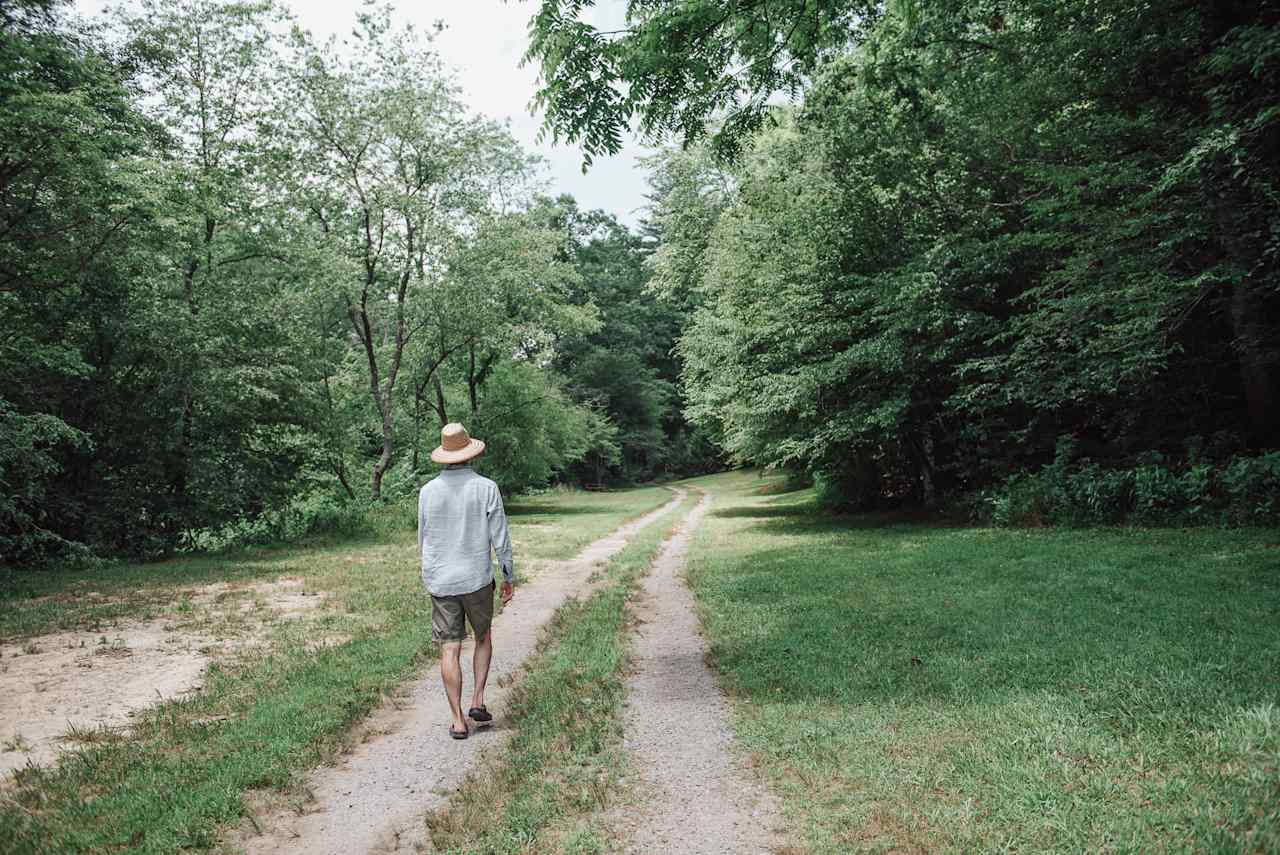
(472, 449)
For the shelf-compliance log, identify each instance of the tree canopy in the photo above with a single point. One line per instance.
(986, 232)
(917, 250)
(248, 275)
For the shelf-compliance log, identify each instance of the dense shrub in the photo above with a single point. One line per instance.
(1154, 490)
(310, 515)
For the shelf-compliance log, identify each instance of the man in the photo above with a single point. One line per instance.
(460, 518)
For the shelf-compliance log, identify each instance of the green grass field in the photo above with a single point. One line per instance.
(262, 718)
(916, 688)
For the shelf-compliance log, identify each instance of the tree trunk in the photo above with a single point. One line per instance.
(441, 412)
(341, 470)
(926, 483)
(417, 423)
(471, 376)
(384, 459)
(186, 431)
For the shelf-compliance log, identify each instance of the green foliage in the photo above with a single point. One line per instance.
(1240, 491)
(303, 517)
(531, 428)
(989, 226)
(202, 216)
(676, 64)
(625, 368)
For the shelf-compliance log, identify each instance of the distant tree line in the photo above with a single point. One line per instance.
(246, 276)
(1022, 251)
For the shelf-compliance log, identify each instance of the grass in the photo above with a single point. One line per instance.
(917, 688)
(558, 525)
(551, 527)
(563, 764)
(260, 719)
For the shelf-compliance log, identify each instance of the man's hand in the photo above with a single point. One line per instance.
(506, 592)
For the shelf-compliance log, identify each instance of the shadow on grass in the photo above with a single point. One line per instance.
(525, 510)
(806, 518)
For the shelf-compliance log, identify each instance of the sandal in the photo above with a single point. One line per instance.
(456, 734)
(479, 714)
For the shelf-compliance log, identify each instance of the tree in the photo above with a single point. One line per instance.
(985, 231)
(393, 170)
(504, 298)
(217, 439)
(677, 65)
(69, 200)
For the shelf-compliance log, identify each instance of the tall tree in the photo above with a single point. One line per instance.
(222, 238)
(989, 228)
(393, 169)
(72, 194)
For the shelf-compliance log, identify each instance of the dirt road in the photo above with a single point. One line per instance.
(374, 800)
(694, 793)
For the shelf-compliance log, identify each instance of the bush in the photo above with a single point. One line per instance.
(1242, 490)
(852, 483)
(309, 515)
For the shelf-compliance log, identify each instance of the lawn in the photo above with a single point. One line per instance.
(925, 688)
(264, 714)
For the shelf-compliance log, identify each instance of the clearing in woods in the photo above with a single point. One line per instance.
(899, 685)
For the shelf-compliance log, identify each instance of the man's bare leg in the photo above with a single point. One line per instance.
(451, 674)
(480, 667)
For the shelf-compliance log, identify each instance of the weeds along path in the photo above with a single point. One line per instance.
(694, 794)
(373, 801)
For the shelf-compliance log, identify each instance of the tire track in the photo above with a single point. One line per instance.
(373, 801)
(695, 794)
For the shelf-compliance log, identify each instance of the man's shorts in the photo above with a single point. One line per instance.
(447, 614)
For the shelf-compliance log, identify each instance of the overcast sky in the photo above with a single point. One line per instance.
(484, 40)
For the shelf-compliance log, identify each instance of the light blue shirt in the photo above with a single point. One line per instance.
(460, 518)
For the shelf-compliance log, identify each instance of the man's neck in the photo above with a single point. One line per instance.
(458, 466)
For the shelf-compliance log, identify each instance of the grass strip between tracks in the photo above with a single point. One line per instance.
(539, 791)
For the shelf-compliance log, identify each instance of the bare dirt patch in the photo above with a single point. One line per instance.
(82, 681)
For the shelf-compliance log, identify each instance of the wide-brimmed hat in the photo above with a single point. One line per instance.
(455, 445)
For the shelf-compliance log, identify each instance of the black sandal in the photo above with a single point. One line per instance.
(479, 714)
(462, 734)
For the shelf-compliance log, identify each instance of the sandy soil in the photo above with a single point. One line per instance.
(694, 793)
(85, 681)
(404, 763)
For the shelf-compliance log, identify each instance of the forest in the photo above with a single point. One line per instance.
(247, 277)
(1016, 257)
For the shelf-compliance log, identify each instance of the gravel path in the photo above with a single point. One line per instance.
(374, 800)
(695, 794)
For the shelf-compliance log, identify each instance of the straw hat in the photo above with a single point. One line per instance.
(455, 445)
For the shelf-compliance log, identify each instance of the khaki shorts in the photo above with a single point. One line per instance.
(447, 614)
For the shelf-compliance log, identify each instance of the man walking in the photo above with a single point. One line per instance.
(460, 517)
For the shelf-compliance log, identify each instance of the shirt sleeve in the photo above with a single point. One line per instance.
(422, 521)
(499, 537)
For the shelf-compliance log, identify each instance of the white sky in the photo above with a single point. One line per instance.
(484, 40)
